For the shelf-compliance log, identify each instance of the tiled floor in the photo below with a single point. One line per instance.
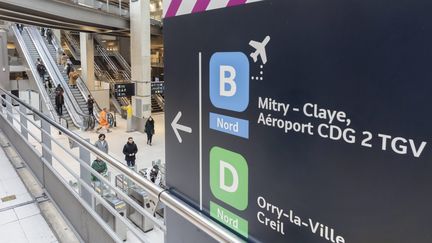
(20, 218)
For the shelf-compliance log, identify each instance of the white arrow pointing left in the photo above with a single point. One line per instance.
(176, 127)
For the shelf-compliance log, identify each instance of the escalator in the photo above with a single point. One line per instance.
(118, 65)
(113, 68)
(26, 49)
(106, 75)
(33, 44)
(76, 92)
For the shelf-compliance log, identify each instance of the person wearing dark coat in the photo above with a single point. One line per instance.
(129, 150)
(90, 104)
(68, 69)
(59, 89)
(149, 130)
(49, 34)
(59, 101)
(41, 70)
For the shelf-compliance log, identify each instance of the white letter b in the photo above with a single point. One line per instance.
(229, 79)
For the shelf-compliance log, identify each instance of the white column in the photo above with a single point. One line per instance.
(87, 59)
(4, 61)
(140, 60)
(57, 34)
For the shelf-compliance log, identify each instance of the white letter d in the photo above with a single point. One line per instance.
(229, 188)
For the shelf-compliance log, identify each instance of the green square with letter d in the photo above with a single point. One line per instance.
(229, 177)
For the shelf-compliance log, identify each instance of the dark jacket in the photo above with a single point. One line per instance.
(59, 100)
(59, 89)
(149, 127)
(128, 149)
(41, 69)
(90, 103)
(100, 167)
(68, 69)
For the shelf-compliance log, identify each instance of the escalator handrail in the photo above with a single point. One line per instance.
(85, 92)
(117, 55)
(105, 56)
(71, 42)
(51, 66)
(82, 87)
(39, 82)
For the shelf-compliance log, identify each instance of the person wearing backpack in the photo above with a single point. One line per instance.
(41, 70)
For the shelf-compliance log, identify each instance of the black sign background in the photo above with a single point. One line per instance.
(124, 89)
(370, 59)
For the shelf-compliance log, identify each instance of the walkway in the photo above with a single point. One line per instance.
(20, 218)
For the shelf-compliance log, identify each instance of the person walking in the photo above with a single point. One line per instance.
(129, 150)
(149, 130)
(102, 144)
(90, 104)
(103, 120)
(59, 101)
(42, 31)
(73, 76)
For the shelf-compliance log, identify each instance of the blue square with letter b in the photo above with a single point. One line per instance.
(229, 81)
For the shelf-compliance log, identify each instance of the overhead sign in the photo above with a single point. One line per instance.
(310, 119)
(124, 89)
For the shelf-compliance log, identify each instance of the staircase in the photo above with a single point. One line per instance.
(34, 56)
(155, 105)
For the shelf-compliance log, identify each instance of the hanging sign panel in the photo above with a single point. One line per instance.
(303, 121)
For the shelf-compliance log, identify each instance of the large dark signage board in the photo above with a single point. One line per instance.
(304, 121)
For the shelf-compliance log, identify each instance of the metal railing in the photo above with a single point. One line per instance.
(120, 8)
(55, 160)
(122, 61)
(126, 73)
(104, 54)
(72, 44)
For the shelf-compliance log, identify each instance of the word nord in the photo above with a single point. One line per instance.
(231, 126)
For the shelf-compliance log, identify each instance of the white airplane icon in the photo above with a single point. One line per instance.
(260, 49)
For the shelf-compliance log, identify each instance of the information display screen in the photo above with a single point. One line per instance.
(124, 89)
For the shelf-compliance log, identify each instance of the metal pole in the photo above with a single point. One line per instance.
(107, 3)
(120, 7)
